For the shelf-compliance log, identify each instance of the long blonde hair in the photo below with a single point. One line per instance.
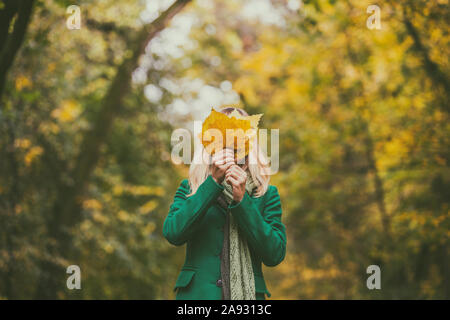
(200, 168)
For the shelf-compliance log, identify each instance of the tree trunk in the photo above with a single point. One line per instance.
(378, 183)
(12, 42)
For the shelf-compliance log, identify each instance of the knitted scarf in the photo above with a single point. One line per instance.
(241, 280)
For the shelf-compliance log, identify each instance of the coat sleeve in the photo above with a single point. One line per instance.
(264, 231)
(185, 213)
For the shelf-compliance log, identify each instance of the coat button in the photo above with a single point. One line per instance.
(219, 283)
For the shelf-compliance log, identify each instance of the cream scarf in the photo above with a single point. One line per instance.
(242, 282)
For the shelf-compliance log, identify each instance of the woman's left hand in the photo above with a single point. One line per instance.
(237, 178)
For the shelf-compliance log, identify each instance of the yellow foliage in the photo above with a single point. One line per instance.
(49, 128)
(92, 204)
(97, 216)
(148, 206)
(51, 67)
(246, 87)
(395, 150)
(108, 247)
(149, 228)
(32, 154)
(22, 82)
(120, 189)
(22, 143)
(67, 112)
(123, 216)
(144, 190)
(218, 126)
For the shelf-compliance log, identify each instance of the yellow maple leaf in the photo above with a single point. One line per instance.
(254, 120)
(221, 131)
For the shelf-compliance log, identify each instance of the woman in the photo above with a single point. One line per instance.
(230, 218)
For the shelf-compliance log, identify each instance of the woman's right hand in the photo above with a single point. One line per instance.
(221, 161)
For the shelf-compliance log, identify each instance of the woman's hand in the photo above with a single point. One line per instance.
(221, 161)
(237, 178)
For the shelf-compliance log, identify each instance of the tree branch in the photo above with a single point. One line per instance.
(108, 27)
(431, 68)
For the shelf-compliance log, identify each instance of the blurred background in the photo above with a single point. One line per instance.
(86, 117)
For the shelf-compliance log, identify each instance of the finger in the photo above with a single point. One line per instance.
(232, 181)
(224, 168)
(241, 178)
(229, 158)
(227, 174)
(235, 173)
(234, 167)
(231, 168)
(238, 171)
(228, 165)
(227, 161)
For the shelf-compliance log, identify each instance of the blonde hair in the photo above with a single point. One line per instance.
(200, 167)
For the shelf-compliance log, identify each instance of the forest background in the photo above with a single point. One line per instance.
(86, 117)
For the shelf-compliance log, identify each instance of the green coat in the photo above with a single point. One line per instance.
(198, 220)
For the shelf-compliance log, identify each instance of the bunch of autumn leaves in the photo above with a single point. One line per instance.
(233, 131)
